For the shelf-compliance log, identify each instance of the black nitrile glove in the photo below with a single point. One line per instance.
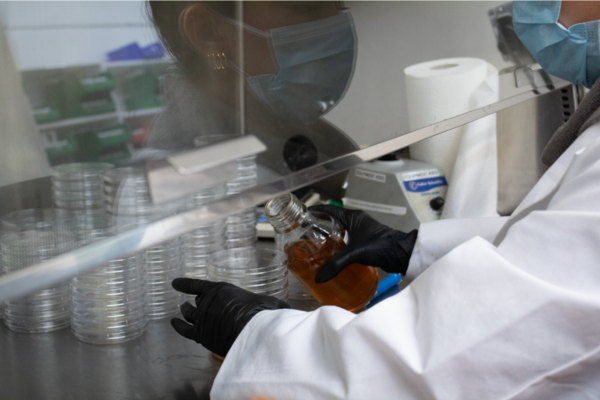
(222, 311)
(370, 243)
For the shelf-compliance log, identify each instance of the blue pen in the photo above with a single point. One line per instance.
(387, 283)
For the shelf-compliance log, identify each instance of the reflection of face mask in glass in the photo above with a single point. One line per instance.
(315, 61)
(572, 54)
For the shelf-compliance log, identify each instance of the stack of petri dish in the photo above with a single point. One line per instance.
(163, 263)
(48, 309)
(241, 227)
(206, 240)
(78, 187)
(32, 219)
(109, 301)
(127, 198)
(4, 230)
(260, 271)
(128, 205)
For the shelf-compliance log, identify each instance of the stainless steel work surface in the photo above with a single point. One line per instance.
(159, 365)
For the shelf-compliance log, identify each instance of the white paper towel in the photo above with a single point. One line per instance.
(442, 89)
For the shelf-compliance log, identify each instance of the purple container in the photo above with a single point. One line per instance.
(155, 50)
(130, 52)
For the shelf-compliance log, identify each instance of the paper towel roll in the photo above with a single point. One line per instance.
(438, 90)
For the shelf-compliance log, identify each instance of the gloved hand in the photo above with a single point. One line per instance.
(370, 243)
(222, 311)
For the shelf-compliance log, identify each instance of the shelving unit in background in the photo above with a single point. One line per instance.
(65, 137)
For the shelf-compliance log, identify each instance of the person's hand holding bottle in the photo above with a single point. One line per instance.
(370, 243)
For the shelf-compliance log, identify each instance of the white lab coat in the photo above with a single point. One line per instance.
(517, 321)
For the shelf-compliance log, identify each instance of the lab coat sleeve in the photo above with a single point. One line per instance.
(437, 238)
(512, 322)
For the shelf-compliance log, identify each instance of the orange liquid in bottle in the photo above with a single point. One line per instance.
(351, 289)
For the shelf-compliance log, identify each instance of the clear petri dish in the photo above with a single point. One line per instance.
(156, 312)
(126, 325)
(85, 186)
(101, 315)
(256, 270)
(128, 199)
(34, 218)
(117, 175)
(233, 225)
(108, 338)
(163, 255)
(80, 171)
(240, 243)
(246, 216)
(29, 303)
(197, 273)
(115, 270)
(116, 326)
(190, 253)
(94, 204)
(26, 326)
(132, 278)
(113, 193)
(72, 195)
(204, 240)
(146, 210)
(107, 290)
(110, 302)
(91, 193)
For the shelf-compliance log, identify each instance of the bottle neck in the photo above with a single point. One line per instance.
(285, 213)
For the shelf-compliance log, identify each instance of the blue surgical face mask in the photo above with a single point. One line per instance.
(315, 61)
(572, 54)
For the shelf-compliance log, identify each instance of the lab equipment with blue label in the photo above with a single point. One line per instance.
(400, 193)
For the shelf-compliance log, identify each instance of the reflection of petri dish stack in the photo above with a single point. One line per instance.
(79, 187)
(261, 271)
(45, 310)
(109, 302)
(241, 227)
(128, 204)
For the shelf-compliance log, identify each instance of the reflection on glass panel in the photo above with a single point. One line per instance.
(295, 64)
(312, 80)
(140, 86)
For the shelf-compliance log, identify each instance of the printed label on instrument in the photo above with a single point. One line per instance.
(373, 176)
(411, 176)
(369, 206)
(424, 185)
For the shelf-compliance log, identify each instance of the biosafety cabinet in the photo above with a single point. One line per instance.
(115, 84)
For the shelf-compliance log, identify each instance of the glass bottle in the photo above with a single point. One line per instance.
(310, 239)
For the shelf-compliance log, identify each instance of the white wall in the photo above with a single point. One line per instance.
(48, 34)
(394, 35)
